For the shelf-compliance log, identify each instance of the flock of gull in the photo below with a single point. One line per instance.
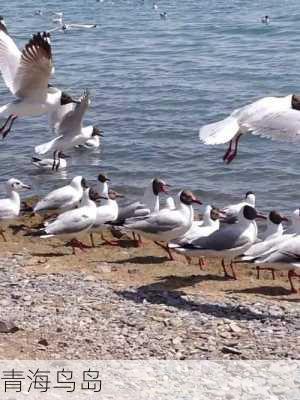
(230, 232)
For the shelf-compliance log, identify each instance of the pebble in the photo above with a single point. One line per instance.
(8, 327)
(231, 350)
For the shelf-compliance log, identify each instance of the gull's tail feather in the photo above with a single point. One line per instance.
(219, 132)
(46, 147)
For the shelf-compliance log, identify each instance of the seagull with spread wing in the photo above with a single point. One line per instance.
(70, 131)
(277, 118)
(26, 74)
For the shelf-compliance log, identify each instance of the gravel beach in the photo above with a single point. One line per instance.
(132, 303)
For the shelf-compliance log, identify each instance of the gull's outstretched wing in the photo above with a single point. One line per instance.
(10, 57)
(35, 68)
(72, 121)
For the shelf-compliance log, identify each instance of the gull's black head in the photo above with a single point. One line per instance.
(158, 186)
(102, 178)
(214, 213)
(296, 102)
(84, 183)
(276, 218)
(249, 213)
(97, 132)
(248, 194)
(188, 198)
(66, 99)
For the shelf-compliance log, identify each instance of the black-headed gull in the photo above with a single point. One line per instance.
(275, 225)
(166, 225)
(92, 143)
(102, 185)
(46, 164)
(277, 118)
(10, 206)
(107, 212)
(265, 20)
(26, 75)
(199, 229)
(230, 241)
(63, 26)
(72, 222)
(62, 199)
(286, 254)
(273, 236)
(232, 211)
(147, 205)
(70, 131)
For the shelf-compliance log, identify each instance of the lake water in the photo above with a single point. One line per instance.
(155, 82)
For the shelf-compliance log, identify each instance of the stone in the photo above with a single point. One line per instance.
(234, 328)
(8, 327)
(230, 350)
(43, 342)
(105, 268)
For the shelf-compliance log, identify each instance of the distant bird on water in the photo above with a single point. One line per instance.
(63, 26)
(265, 20)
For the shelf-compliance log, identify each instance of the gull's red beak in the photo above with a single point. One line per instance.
(165, 187)
(197, 201)
(260, 216)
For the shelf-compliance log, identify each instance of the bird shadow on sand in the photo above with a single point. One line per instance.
(142, 260)
(160, 293)
(18, 228)
(262, 290)
(49, 254)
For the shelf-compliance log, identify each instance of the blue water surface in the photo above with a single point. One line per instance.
(155, 82)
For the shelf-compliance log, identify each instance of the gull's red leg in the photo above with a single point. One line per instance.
(228, 151)
(231, 156)
(10, 120)
(291, 274)
(167, 249)
(257, 272)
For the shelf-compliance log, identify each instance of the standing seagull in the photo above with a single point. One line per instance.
(72, 222)
(232, 211)
(64, 198)
(231, 241)
(10, 207)
(287, 255)
(277, 118)
(273, 236)
(106, 212)
(147, 205)
(166, 225)
(199, 229)
(26, 75)
(70, 131)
